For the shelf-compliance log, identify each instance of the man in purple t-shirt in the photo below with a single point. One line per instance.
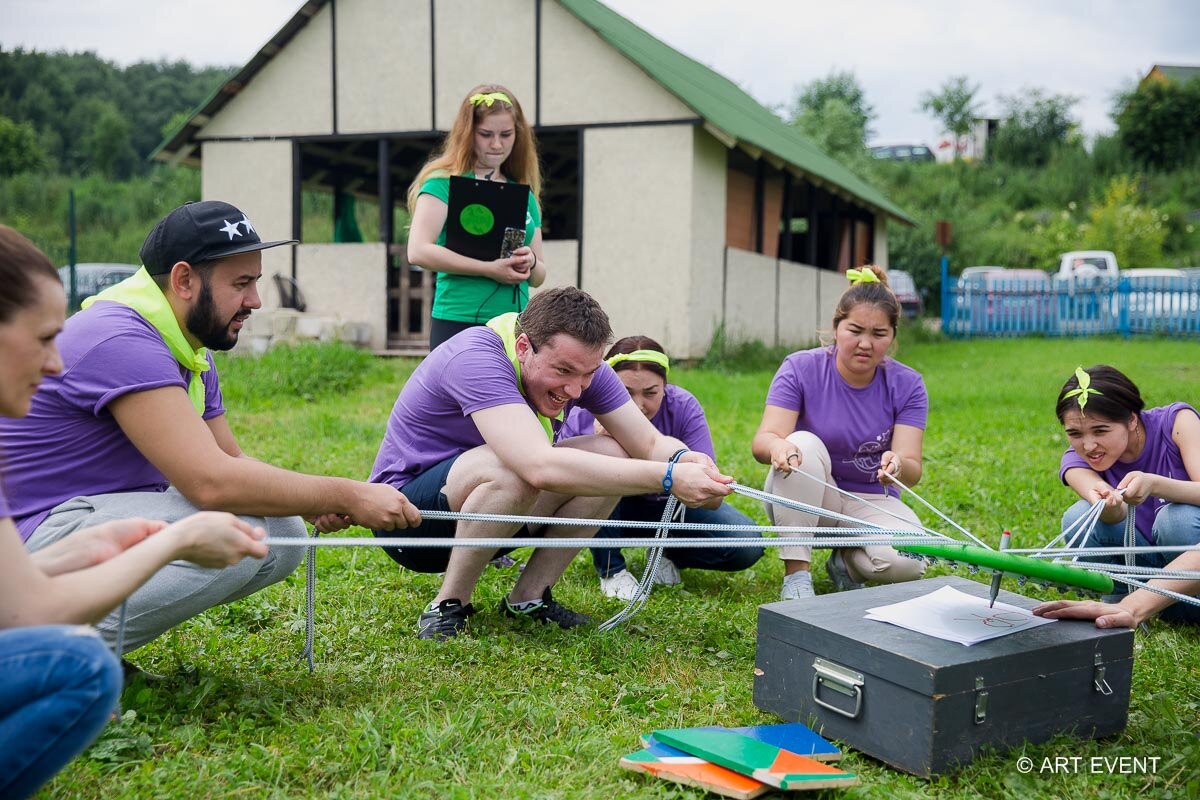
(472, 431)
(134, 425)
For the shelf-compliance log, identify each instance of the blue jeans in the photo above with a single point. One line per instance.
(1176, 525)
(610, 561)
(58, 687)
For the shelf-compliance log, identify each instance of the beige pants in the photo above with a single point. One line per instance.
(880, 564)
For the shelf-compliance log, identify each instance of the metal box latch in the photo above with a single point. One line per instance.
(981, 698)
(839, 679)
(1098, 676)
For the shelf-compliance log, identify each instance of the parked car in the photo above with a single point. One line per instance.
(1013, 301)
(905, 289)
(973, 276)
(1158, 294)
(903, 152)
(92, 278)
(1090, 264)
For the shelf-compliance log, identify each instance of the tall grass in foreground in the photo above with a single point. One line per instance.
(512, 712)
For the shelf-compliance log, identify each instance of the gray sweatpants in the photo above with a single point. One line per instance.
(180, 590)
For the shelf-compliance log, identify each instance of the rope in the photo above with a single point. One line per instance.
(119, 647)
(931, 507)
(1180, 598)
(861, 539)
(310, 600)
(653, 558)
(863, 500)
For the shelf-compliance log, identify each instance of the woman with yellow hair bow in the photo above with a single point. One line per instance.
(848, 418)
(490, 139)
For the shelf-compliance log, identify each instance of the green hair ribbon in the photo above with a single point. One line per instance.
(863, 275)
(648, 356)
(489, 98)
(1085, 388)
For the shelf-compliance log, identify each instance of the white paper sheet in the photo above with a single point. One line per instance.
(956, 616)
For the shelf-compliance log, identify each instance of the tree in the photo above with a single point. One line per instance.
(1032, 127)
(954, 106)
(1159, 123)
(833, 112)
(19, 149)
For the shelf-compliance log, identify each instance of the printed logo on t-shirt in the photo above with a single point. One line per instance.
(869, 454)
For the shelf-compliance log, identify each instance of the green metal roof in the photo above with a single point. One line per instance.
(722, 104)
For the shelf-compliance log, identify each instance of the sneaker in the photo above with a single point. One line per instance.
(797, 586)
(667, 574)
(545, 611)
(835, 567)
(444, 620)
(621, 585)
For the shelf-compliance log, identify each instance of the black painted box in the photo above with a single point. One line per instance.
(926, 705)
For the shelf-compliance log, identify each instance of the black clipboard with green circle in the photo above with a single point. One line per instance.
(478, 213)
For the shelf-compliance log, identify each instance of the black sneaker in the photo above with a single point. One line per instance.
(547, 611)
(445, 620)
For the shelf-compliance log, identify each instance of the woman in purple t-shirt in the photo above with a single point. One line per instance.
(59, 682)
(642, 365)
(850, 417)
(1136, 459)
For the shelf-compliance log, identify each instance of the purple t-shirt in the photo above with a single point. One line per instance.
(431, 419)
(1159, 456)
(856, 425)
(70, 445)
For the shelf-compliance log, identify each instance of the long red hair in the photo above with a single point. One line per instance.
(457, 153)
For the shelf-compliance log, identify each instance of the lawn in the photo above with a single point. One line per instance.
(514, 712)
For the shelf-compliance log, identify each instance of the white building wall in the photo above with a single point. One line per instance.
(881, 240)
(637, 224)
(561, 257)
(797, 303)
(257, 178)
(830, 286)
(347, 282)
(708, 241)
(749, 296)
(585, 79)
(291, 95)
(384, 78)
(484, 41)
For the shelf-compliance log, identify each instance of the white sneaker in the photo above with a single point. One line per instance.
(797, 586)
(667, 574)
(622, 586)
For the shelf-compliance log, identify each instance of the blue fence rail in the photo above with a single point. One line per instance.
(995, 305)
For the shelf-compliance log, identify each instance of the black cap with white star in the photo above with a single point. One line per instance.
(199, 232)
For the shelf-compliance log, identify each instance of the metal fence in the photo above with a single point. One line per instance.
(995, 306)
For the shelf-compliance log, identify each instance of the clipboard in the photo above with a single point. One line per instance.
(478, 213)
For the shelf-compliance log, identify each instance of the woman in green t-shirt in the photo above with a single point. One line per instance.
(490, 140)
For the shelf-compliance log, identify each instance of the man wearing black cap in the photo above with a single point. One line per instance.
(135, 426)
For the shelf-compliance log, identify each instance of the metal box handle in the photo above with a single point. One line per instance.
(839, 679)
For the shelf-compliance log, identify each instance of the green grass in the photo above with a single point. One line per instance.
(511, 712)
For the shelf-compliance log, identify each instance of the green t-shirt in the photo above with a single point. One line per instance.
(475, 298)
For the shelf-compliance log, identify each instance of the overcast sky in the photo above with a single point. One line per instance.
(1089, 49)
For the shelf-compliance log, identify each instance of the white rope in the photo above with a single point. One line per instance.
(932, 508)
(1176, 596)
(864, 501)
(863, 539)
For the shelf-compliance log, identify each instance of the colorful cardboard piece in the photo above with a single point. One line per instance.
(757, 759)
(674, 765)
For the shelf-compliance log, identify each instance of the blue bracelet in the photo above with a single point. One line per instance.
(667, 482)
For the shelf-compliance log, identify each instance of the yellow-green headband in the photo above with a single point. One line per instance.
(1085, 388)
(489, 98)
(648, 356)
(863, 275)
